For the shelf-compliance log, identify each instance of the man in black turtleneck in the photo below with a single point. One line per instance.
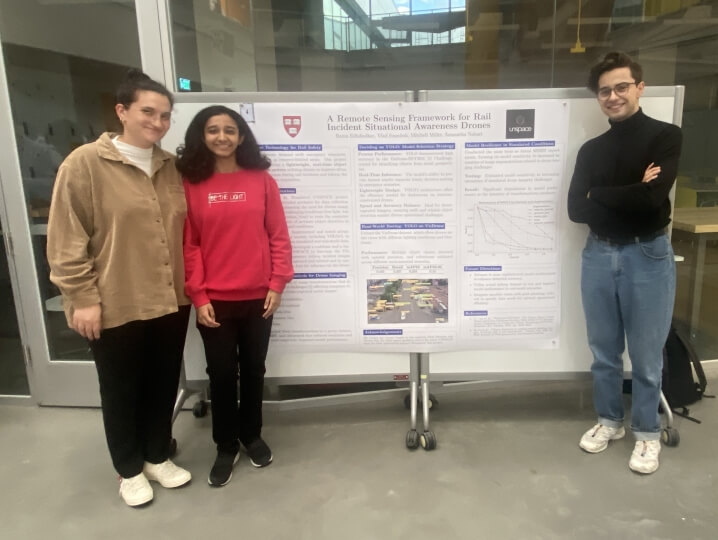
(620, 189)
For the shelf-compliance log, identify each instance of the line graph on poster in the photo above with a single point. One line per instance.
(517, 227)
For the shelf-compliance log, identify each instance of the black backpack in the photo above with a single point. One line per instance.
(680, 361)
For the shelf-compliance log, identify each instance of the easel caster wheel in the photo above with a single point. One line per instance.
(428, 440)
(670, 436)
(412, 439)
(199, 409)
(173, 447)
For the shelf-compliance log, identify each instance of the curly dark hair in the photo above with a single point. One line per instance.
(611, 61)
(196, 162)
(135, 81)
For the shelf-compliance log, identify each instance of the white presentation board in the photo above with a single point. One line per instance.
(438, 226)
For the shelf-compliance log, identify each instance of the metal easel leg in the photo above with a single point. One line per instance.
(669, 434)
(427, 438)
(412, 437)
(183, 394)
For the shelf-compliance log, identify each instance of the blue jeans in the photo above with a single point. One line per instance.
(628, 290)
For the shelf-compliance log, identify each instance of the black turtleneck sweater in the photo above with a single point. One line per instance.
(606, 190)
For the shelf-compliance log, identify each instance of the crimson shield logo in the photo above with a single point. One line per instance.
(292, 125)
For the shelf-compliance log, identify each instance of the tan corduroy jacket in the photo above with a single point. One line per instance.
(114, 236)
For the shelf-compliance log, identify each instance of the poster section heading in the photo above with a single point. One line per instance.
(418, 227)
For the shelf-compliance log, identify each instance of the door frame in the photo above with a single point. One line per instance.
(59, 382)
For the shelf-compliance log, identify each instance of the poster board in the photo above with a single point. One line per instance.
(564, 352)
(573, 356)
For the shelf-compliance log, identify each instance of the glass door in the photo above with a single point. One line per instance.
(62, 62)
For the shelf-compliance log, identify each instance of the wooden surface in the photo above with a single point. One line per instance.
(696, 220)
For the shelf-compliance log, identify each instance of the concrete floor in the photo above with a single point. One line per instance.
(507, 466)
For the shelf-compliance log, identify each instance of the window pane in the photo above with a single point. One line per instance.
(63, 61)
(214, 43)
(287, 45)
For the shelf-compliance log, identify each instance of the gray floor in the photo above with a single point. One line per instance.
(507, 466)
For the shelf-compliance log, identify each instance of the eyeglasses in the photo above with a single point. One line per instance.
(620, 89)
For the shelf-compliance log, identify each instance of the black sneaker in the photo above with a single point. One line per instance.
(259, 453)
(221, 472)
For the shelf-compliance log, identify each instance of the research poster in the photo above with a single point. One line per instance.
(418, 227)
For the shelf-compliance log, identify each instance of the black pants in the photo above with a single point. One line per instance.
(237, 348)
(138, 365)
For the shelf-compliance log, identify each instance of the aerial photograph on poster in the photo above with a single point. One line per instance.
(400, 301)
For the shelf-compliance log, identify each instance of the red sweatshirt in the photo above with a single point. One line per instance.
(236, 242)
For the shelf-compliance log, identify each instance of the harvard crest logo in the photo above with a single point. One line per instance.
(292, 125)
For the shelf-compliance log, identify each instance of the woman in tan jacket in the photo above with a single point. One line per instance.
(115, 251)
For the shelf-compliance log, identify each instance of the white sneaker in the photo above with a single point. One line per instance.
(644, 458)
(167, 474)
(136, 490)
(596, 439)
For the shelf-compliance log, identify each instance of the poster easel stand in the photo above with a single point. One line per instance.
(419, 378)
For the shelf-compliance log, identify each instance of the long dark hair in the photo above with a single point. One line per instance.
(136, 81)
(196, 162)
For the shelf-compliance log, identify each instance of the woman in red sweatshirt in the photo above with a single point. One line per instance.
(238, 259)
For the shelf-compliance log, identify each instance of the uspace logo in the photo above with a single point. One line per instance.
(520, 123)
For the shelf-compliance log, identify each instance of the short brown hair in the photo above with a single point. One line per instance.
(611, 61)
